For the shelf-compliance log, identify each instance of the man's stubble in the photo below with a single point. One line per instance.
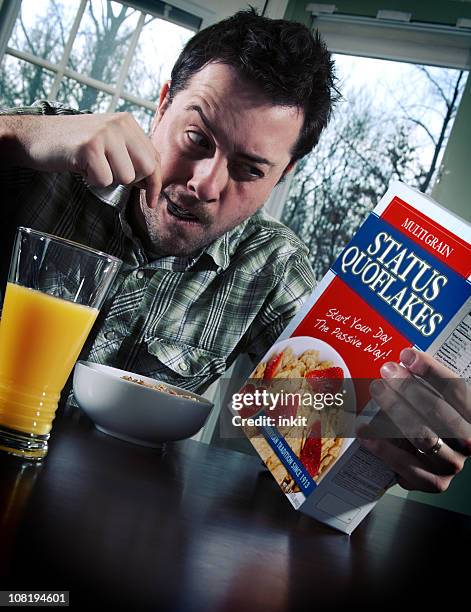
(162, 242)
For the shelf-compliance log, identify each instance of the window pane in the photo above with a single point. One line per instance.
(393, 123)
(22, 83)
(141, 114)
(159, 45)
(102, 40)
(42, 28)
(74, 94)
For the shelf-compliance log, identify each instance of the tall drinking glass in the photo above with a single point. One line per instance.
(54, 292)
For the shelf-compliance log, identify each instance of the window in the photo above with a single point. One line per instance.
(392, 123)
(93, 54)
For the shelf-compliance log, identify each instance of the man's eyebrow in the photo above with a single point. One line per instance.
(197, 108)
(253, 158)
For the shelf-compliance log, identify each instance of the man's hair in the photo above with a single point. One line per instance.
(291, 66)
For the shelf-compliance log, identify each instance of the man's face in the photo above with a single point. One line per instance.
(223, 147)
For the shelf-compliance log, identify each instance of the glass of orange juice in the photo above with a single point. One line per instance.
(53, 295)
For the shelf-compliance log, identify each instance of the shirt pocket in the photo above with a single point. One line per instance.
(184, 365)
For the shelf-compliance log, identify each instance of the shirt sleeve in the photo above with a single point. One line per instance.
(14, 179)
(282, 304)
(42, 107)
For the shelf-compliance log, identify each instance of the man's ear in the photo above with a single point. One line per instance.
(289, 168)
(162, 107)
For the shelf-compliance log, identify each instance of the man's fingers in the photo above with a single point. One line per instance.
(97, 170)
(146, 161)
(453, 388)
(420, 401)
(153, 184)
(115, 151)
(403, 415)
(424, 400)
(426, 367)
(414, 428)
(415, 403)
(121, 166)
(413, 472)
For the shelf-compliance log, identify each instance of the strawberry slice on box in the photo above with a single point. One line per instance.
(328, 380)
(250, 408)
(286, 406)
(311, 451)
(272, 366)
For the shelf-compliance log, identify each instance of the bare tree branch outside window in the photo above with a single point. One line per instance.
(371, 140)
(98, 52)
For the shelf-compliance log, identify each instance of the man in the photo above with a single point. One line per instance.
(207, 275)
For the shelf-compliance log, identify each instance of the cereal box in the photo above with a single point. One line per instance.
(403, 280)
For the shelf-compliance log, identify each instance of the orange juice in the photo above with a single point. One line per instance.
(40, 339)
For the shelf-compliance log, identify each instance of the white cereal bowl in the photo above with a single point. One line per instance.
(133, 412)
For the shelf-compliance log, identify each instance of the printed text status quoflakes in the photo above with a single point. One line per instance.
(399, 277)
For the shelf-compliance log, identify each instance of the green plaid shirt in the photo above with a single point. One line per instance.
(180, 320)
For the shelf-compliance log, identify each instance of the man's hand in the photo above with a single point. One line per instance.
(425, 415)
(106, 149)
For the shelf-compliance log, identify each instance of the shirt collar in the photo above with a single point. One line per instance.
(220, 251)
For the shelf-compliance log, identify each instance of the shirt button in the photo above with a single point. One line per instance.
(111, 334)
(140, 274)
(183, 367)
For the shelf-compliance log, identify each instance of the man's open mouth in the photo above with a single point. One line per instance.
(180, 213)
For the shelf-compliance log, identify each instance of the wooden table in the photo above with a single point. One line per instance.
(206, 529)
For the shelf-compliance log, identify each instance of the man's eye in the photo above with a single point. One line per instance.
(250, 171)
(253, 171)
(198, 139)
(245, 172)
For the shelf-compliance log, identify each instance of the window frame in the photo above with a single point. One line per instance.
(416, 43)
(9, 13)
(425, 44)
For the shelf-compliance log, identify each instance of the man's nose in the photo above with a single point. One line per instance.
(210, 176)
